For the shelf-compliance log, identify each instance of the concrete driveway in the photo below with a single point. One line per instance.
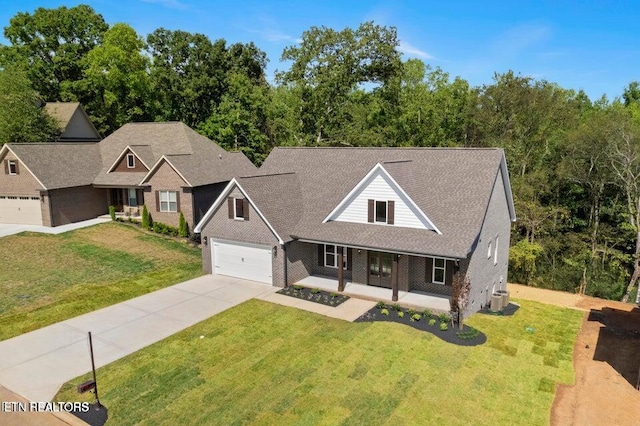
(36, 364)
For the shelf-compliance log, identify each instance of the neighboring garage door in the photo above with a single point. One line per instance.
(247, 261)
(20, 210)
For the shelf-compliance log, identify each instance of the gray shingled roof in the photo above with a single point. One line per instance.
(201, 161)
(196, 157)
(451, 186)
(278, 198)
(61, 112)
(60, 165)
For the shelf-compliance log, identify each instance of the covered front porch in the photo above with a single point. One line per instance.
(412, 298)
(127, 201)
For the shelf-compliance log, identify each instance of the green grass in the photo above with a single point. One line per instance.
(261, 363)
(48, 278)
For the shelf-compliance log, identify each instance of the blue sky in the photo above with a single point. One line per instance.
(591, 45)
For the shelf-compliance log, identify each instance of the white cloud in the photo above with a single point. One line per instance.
(171, 4)
(411, 50)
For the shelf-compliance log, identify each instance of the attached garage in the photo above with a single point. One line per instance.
(241, 260)
(20, 210)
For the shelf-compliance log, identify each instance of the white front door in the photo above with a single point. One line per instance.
(20, 210)
(242, 260)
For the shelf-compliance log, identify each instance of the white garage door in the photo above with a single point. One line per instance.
(20, 210)
(247, 261)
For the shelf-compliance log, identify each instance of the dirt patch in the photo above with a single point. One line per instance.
(606, 359)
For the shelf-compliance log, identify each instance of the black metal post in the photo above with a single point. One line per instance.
(93, 368)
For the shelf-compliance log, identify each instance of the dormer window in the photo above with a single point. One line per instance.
(131, 161)
(11, 167)
(238, 208)
(381, 211)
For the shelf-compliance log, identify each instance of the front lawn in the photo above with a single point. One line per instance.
(261, 363)
(49, 278)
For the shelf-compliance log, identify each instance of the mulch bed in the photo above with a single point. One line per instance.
(314, 295)
(506, 312)
(468, 336)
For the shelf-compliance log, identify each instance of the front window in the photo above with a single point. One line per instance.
(168, 201)
(131, 161)
(439, 267)
(13, 168)
(239, 208)
(331, 256)
(133, 199)
(381, 211)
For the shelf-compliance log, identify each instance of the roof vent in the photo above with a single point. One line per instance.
(220, 156)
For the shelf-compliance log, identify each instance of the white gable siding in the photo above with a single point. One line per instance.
(379, 188)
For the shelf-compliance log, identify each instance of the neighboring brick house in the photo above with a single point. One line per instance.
(402, 218)
(167, 166)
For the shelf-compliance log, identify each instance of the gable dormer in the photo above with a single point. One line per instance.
(378, 200)
(128, 161)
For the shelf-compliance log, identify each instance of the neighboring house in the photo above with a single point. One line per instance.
(402, 218)
(74, 124)
(167, 166)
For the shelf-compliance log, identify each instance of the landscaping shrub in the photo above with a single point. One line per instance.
(145, 218)
(183, 228)
(384, 311)
(112, 212)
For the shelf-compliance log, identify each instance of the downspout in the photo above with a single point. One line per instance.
(284, 253)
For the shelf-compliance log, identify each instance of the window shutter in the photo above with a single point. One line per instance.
(448, 273)
(391, 212)
(177, 201)
(349, 259)
(428, 276)
(230, 207)
(370, 212)
(320, 255)
(157, 201)
(6, 167)
(245, 209)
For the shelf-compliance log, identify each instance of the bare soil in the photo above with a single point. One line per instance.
(606, 359)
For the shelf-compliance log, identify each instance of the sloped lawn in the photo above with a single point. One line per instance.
(48, 278)
(261, 363)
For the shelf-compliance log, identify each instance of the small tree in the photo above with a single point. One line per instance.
(460, 292)
(183, 228)
(145, 217)
(112, 212)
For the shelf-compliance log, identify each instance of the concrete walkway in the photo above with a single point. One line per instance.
(35, 365)
(9, 229)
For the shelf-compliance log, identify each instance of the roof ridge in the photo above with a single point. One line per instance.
(267, 175)
(435, 148)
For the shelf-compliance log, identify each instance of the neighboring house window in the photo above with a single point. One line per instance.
(439, 270)
(11, 167)
(489, 251)
(133, 199)
(495, 254)
(168, 201)
(380, 211)
(131, 161)
(238, 208)
(331, 253)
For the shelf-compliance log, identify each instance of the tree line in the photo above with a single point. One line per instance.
(574, 162)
